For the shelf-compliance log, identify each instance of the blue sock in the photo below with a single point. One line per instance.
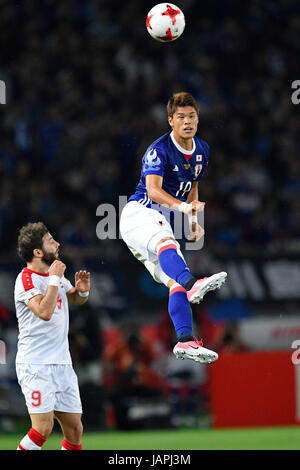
(180, 312)
(174, 266)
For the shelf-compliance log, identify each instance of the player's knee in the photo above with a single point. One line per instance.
(75, 432)
(45, 428)
(164, 240)
(79, 429)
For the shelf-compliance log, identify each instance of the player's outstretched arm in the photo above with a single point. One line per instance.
(159, 195)
(79, 294)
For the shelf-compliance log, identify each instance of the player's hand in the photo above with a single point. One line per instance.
(82, 281)
(197, 206)
(192, 207)
(196, 234)
(57, 268)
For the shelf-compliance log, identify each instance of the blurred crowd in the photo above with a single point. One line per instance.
(86, 94)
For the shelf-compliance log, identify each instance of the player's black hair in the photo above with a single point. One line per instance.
(181, 99)
(31, 237)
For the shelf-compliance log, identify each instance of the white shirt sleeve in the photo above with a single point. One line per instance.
(67, 284)
(28, 286)
(25, 296)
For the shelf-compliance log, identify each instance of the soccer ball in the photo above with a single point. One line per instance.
(165, 22)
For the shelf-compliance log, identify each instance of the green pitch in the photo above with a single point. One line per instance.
(284, 438)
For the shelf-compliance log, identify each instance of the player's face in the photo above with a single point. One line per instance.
(50, 249)
(184, 122)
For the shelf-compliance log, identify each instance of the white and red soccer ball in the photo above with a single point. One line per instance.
(165, 22)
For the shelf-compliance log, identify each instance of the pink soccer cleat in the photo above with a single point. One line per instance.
(194, 350)
(202, 286)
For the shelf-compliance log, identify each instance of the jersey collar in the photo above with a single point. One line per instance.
(30, 271)
(186, 153)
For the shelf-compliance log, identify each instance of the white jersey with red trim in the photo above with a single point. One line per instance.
(40, 341)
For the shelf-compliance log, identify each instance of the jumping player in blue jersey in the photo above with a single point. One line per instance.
(171, 170)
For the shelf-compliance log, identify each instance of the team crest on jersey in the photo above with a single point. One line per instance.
(198, 169)
(186, 166)
(152, 161)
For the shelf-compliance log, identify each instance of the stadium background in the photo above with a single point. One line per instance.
(86, 94)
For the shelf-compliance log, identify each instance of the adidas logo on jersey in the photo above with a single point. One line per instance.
(175, 168)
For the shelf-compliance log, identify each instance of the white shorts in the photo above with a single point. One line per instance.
(49, 387)
(141, 229)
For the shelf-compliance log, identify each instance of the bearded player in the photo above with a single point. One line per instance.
(43, 361)
(171, 170)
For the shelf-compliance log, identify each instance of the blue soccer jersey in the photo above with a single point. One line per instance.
(179, 168)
